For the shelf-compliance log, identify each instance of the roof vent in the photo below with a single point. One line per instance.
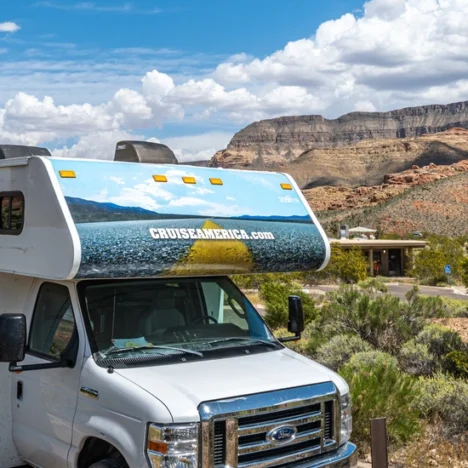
(144, 152)
(18, 151)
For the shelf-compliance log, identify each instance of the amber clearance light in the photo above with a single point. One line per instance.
(67, 174)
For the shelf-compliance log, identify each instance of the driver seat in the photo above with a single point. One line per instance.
(162, 314)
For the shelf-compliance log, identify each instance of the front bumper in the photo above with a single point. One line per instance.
(343, 457)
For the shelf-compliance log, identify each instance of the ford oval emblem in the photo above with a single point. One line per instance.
(282, 434)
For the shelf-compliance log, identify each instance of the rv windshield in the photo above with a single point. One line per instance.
(167, 320)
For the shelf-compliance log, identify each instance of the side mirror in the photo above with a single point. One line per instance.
(296, 315)
(296, 319)
(12, 337)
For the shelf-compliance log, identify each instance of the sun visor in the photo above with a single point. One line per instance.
(145, 220)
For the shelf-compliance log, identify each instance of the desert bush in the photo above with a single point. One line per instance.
(439, 340)
(416, 359)
(430, 262)
(348, 265)
(429, 266)
(464, 271)
(454, 307)
(446, 398)
(339, 350)
(426, 353)
(457, 363)
(275, 294)
(380, 389)
(383, 321)
(426, 306)
(254, 281)
(373, 284)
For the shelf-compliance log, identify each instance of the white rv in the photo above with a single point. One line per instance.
(123, 343)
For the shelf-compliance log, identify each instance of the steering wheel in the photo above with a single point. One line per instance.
(205, 317)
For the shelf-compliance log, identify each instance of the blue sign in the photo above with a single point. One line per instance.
(448, 270)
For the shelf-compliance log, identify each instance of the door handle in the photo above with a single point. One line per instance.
(19, 390)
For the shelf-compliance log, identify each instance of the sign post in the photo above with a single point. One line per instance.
(448, 272)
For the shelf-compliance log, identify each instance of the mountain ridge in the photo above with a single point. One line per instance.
(273, 144)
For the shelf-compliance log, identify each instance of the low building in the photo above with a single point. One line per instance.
(385, 257)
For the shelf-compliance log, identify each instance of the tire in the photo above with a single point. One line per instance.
(109, 463)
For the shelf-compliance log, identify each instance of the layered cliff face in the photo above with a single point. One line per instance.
(277, 142)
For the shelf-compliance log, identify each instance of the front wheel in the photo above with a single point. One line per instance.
(109, 463)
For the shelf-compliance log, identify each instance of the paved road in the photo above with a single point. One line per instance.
(399, 290)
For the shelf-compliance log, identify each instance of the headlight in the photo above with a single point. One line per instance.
(173, 446)
(346, 418)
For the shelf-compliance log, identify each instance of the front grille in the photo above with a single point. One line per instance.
(219, 443)
(239, 432)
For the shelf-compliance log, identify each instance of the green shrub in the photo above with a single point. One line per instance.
(429, 266)
(379, 389)
(276, 293)
(416, 359)
(464, 271)
(254, 281)
(439, 340)
(430, 262)
(426, 306)
(452, 307)
(383, 321)
(339, 350)
(426, 353)
(348, 265)
(373, 284)
(446, 398)
(457, 363)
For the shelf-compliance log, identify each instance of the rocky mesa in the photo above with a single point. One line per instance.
(320, 151)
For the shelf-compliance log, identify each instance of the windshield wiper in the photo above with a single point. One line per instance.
(249, 340)
(118, 350)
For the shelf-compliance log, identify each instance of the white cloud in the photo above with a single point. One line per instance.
(188, 201)
(134, 197)
(197, 147)
(95, 145)
(201, 190)
(117, 180)
(9, 27)
(395, 53)
(364, 106)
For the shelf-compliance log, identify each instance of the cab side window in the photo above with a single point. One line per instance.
(11, 213)
(53, 323)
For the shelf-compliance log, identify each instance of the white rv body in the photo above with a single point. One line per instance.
(106, 409)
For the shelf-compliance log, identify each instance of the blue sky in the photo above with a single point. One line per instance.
(76, 76)
(242, 193)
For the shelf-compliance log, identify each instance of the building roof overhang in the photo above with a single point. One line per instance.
(380, 243)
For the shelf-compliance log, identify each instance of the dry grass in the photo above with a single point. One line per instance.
(254, 298)
(460, 325)
(433, 449)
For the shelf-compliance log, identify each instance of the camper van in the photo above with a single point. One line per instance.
(124, 342)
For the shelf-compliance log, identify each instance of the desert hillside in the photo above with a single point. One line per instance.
(335, 198)
(439, 207)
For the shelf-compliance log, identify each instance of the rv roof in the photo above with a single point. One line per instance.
(101, 219)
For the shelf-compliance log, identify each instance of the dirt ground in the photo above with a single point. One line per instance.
(460, 325)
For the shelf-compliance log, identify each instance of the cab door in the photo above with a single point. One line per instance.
(44, 401)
